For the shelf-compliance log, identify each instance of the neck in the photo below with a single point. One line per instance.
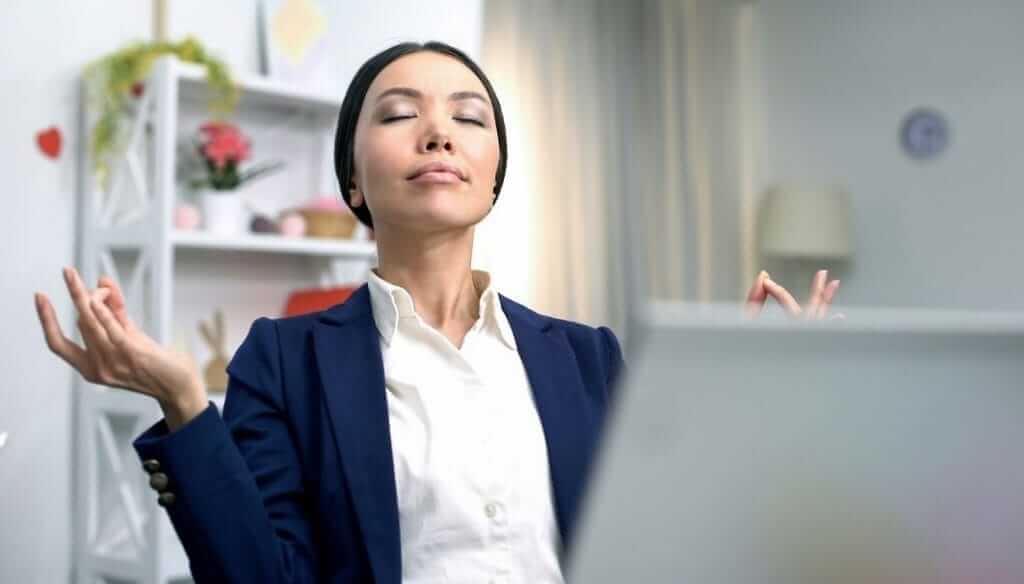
(434, 269)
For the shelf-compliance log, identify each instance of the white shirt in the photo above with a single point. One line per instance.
(471, 466)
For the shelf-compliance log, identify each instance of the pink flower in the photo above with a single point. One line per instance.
(224, 143)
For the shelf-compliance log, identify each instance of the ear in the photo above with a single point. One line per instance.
(355, 193)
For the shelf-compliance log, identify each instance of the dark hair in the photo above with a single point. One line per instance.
(344, 138)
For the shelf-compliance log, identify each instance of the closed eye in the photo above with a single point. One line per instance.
(395, 119)
(470, 120)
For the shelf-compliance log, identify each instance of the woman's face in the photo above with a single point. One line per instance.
(425, 108)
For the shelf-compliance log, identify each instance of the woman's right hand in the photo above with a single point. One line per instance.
(118, 354)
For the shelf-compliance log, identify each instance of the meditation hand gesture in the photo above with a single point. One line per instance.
(118, 354)
(816, 308)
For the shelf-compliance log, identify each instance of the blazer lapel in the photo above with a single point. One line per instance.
(351, 369)
(570, 426)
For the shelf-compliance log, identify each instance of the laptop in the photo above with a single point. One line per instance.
(886, 448)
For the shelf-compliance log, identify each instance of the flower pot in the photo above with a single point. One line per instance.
(224, 213)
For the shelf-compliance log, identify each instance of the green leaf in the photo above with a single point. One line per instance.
(109, 80)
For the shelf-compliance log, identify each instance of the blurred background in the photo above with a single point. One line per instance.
(687, 143)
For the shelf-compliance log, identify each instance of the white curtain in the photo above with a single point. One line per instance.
(616, 108)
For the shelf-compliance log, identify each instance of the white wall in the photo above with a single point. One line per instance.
(838, 77)
(44, 43)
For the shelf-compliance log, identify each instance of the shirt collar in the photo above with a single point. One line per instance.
(391, 303)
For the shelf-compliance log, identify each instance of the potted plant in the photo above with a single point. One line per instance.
(221, 149)
(114, 83)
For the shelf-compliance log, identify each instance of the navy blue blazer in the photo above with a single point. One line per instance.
(295, 484)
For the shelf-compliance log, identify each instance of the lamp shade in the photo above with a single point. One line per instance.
(805, 222)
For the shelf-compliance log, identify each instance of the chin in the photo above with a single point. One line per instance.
(436, 220)
(449, 211)
(448, 221)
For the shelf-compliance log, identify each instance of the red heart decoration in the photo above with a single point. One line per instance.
(49, 141)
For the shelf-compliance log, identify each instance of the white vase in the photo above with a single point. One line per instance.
(224, 212)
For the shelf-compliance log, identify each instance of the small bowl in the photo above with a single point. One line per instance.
(324, 223)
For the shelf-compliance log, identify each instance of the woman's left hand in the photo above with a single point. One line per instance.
(816, 307)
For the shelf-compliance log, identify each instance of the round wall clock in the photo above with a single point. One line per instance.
(925, 134)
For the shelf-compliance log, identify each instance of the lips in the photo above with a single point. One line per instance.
(438, 170)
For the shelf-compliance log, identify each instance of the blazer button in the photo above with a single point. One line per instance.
(165, 499)
(151, 466)
(158, 481)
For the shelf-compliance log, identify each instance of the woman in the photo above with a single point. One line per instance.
(428, 429)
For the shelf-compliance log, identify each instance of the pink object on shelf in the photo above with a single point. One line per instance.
(292, 225)
(186, 217)
(327, 203)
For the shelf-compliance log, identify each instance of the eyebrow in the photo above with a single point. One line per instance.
(410, 92)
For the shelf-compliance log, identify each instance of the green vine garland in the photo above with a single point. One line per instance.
(112, 80)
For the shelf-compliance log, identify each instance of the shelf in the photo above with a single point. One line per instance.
(127, 233)
(261, 90)
(314, 246)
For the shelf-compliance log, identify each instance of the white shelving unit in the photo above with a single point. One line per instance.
(310, 246)
(120, 534)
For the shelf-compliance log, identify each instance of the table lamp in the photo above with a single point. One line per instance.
(805, 222)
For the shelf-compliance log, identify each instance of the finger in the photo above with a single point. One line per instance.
(99, 295)
(827, 297)
(80, 296)
(116, 301)
(98, 349)
(757, 295)
(115, 332)
(783, 297)
(815, 297)
(62, 346)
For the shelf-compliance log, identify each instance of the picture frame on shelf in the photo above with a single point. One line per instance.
(295, 40)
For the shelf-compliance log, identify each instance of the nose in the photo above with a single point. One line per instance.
(436, 138)
(436, 141)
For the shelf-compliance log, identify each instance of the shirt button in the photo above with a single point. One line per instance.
(495, 512)
(158, 481)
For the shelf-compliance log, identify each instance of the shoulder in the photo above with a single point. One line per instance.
(268, 337)
(594, 346)
(573, 329)
(291, 330)
(269, 343)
